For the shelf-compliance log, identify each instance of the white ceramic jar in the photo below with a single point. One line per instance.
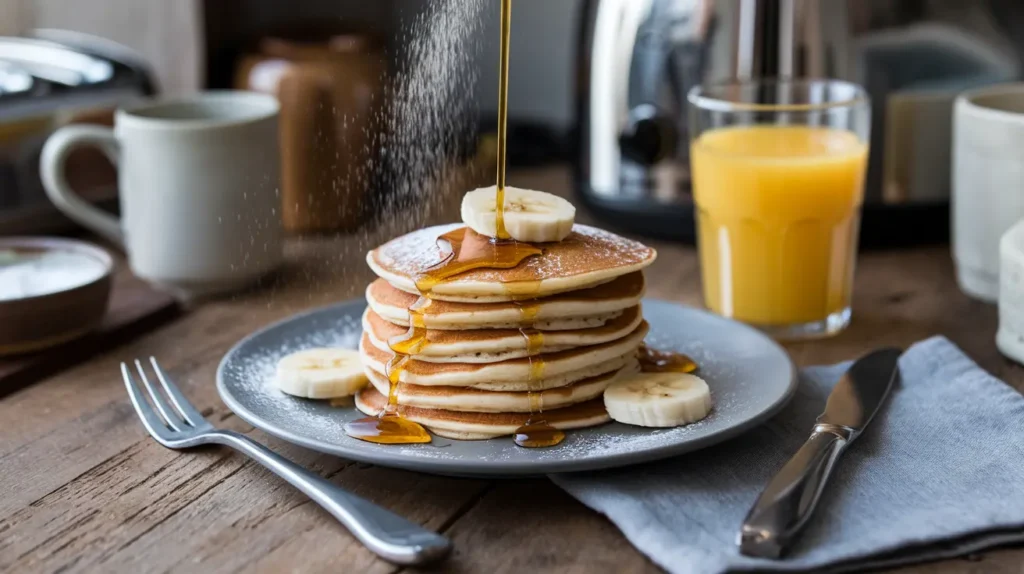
(1010, 338)
(988, 182)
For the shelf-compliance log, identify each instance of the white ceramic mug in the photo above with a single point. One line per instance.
(988, 182)
(198, 182)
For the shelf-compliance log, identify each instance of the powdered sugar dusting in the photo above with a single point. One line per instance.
(586, 250)
(429, 123)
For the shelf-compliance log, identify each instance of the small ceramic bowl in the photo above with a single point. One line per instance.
(51, 291)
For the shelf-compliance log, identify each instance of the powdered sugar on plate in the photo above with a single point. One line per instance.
(254, 374)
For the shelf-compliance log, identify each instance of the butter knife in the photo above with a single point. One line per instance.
(788, 501)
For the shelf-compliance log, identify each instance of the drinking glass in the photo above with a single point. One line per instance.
(778, 180)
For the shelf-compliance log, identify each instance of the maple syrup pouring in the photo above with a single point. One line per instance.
(468, 250)
(654, 361)
(506, 36)
(531, 434)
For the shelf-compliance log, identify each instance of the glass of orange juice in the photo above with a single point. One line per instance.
(778, 180)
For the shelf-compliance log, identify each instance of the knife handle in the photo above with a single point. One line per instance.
(789, 499)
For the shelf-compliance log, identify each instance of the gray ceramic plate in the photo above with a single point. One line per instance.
(751, 378)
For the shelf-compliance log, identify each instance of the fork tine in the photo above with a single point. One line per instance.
(158, 400)
(150, 419)
(188, 412)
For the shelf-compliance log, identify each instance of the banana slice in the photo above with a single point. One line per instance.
(658, 399)
(321, 373)
(532, 216)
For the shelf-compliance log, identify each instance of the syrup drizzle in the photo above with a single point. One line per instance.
(467, 250)
(539, 433)
(534, 433)
(655, 361)
(390, 427)
(506, 36)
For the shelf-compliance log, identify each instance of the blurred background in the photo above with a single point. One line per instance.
(631, 167)
(68, 61)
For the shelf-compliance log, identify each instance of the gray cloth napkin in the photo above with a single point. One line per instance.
(939, 473)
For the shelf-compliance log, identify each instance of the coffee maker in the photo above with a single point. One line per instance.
(639, 58)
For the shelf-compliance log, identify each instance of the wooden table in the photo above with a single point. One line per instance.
(83, 488)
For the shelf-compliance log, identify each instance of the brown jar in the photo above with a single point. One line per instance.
(327, 91)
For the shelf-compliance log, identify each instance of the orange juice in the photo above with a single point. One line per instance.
(778, 217)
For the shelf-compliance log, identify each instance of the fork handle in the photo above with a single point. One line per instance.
(388, 535)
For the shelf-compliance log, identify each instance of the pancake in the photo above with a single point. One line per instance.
(596, 302)
(559, 369)
(467, 399)
(479, 426)
(521, 385)
(495, 345)
(587, 257)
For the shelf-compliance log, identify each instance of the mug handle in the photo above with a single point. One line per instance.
(55, 154)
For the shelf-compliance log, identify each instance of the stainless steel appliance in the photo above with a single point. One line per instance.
(639, 58)
(47, 80)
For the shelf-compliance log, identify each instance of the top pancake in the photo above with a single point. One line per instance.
(587, 257)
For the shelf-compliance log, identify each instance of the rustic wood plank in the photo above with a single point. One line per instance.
(83, 489)
(109, 506)
(120, 498)
(213, 506)
(429, 500)
(62, 425)
(533, 526)
(42, 450)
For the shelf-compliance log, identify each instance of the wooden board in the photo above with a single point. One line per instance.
(134, 308)
(84, 489)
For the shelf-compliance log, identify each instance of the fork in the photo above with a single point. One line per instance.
(179, 426)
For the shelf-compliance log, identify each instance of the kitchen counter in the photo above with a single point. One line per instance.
(84, 488)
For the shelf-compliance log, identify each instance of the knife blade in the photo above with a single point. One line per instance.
(789, 500)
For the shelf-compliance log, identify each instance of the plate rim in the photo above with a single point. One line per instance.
(491, 468)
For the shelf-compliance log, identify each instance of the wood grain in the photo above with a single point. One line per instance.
(83, 489)
(541, 529)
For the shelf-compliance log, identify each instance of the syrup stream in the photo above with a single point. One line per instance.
(468, 252)
(506, 36)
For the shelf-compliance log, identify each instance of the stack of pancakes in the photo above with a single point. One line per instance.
(492, 359)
